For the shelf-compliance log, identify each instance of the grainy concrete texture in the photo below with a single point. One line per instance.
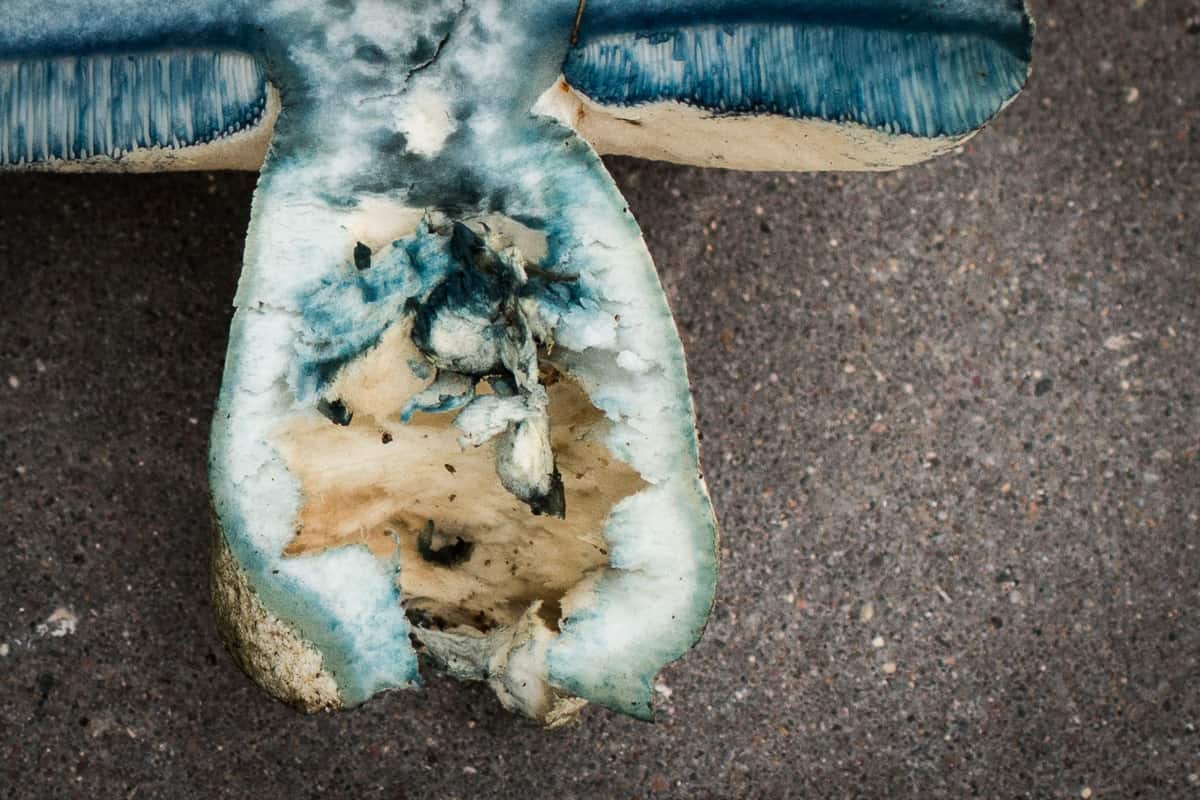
(951, 426)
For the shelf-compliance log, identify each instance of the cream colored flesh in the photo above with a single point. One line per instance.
(689, 135)
(381, 483)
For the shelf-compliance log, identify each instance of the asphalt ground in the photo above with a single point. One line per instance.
(950, 424)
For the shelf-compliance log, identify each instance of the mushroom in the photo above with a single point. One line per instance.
(455, 418)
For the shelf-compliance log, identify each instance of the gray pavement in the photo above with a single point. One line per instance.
(951, 427)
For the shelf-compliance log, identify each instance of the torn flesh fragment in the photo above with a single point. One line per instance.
(472, 326)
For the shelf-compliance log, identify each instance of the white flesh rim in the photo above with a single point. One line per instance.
(326, 519)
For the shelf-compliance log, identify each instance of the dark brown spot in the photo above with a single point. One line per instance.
(335, 411)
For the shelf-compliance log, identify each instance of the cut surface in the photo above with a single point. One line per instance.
(383, 427)
(567, 551)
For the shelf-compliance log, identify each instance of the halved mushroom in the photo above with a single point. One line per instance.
(455, 417)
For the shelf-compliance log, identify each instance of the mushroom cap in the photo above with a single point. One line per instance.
(775, 84)
(814, 84)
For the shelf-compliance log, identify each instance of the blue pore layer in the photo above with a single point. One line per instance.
(108, 105)
(942, 71)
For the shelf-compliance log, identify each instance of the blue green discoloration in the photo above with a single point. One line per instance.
(349, 309)
(428, 273)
